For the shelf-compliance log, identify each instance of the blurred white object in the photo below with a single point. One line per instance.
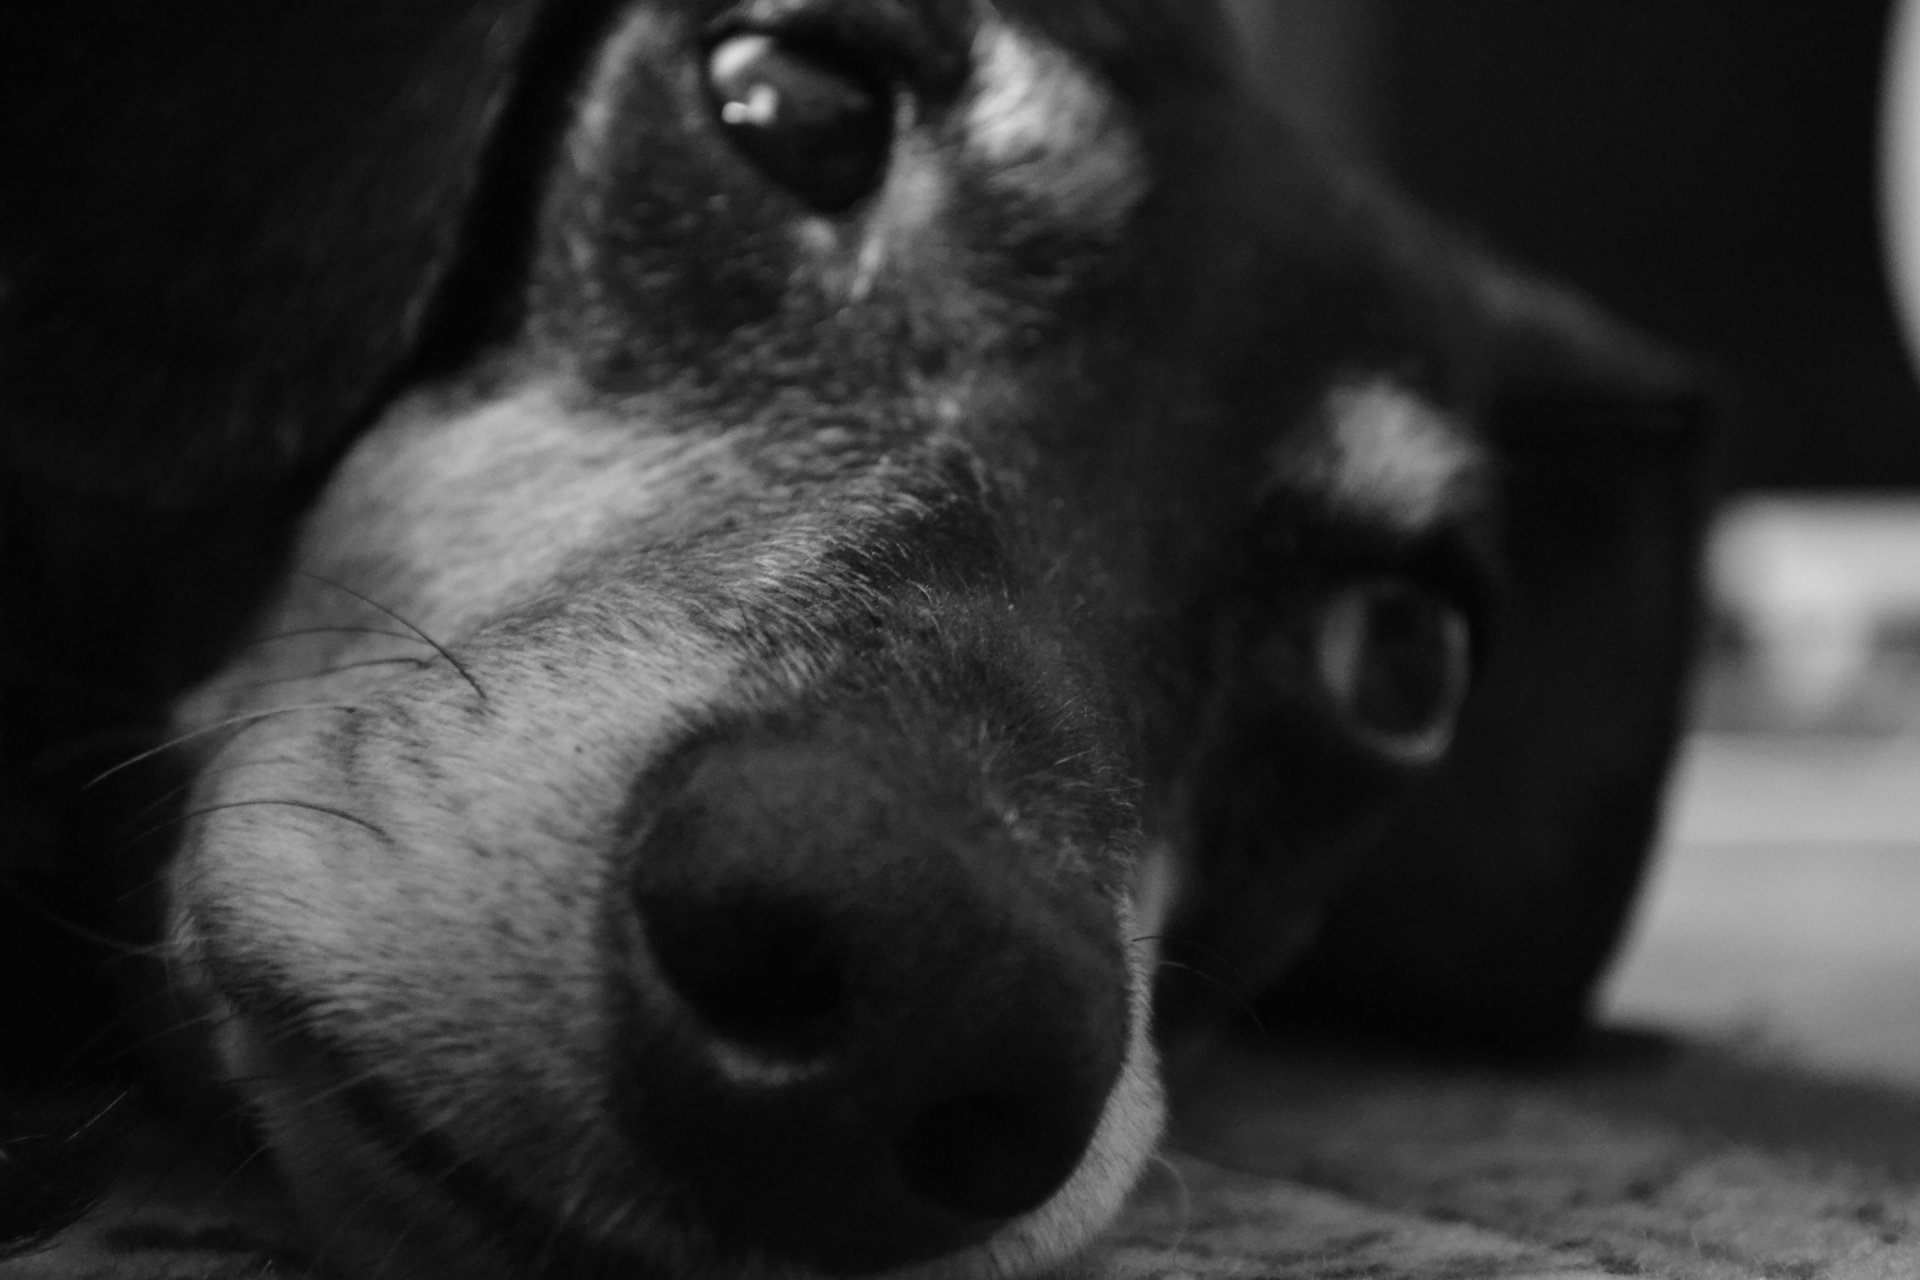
(1817, 588)
(1900, 167)
(1805, 950)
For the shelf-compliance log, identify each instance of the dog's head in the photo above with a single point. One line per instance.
(934, 508)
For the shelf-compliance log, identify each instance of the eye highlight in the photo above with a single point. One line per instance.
(1395, 659)
(811, 118)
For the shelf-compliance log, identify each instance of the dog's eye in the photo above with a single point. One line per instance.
(1396, 660)
(813, 120)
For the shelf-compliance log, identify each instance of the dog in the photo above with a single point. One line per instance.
(762, 610)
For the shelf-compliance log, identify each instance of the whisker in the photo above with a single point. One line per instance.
(248, 1165)
(371, 603)
(67, 924)
(172, 793)
(306, 805)
(331, 629)
(1245, 1004)
(248, 718)
(131, 1013)
(66, 754)
(326, 671)
(1245, 988)
(160, 1178)
(105, 1112)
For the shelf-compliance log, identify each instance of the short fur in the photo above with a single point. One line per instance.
(692, 721)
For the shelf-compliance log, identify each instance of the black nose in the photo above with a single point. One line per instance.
(873, 1025)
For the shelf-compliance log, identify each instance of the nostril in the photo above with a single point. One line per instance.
(864, 1032)
(759, 971)
(990, 1155)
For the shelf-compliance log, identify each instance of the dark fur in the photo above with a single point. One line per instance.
(244, 233)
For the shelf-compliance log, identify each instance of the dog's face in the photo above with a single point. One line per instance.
(962, 506)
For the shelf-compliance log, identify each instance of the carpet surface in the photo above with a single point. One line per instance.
(1643, 1158)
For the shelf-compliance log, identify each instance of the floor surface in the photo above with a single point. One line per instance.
(1785, 906)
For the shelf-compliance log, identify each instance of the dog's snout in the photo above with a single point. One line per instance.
(869, 1027)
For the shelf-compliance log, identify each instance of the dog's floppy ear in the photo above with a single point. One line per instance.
(1501, 887)
(225, 221)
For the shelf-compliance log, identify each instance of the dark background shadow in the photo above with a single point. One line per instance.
(1704, 167)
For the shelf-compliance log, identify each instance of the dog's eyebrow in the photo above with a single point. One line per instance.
(1049, 128)
(1381, 452)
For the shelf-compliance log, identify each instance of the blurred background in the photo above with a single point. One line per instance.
(1704, 166)
(1708, 170)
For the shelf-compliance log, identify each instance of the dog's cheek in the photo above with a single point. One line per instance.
(332, 884)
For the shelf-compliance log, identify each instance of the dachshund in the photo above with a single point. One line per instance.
(745, 618)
